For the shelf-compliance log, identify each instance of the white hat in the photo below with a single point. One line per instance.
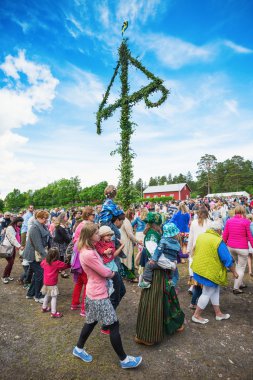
(105, 230)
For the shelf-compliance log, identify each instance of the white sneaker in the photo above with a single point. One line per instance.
(40, 300)
(5, 280)
(10, 278)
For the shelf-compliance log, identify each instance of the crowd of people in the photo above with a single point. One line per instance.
(104, 246)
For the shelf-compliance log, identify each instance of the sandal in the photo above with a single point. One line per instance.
(251, 274)
(45, 310)
(180, 329)
(56, 315)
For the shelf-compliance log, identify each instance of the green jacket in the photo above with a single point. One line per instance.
(206, 261)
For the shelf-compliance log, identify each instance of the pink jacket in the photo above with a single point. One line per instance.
(78, 231)
(237, 232)
(97, 273)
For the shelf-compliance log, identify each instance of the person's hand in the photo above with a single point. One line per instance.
(140, 242)
(152, 262)
(108, 251)
(113, 274)
(122, 245)
(22, 248)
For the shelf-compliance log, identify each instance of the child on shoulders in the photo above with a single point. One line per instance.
(109, 207)
(169, 247)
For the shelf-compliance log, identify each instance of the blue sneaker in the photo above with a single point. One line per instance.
(133, 362)
(83, 355)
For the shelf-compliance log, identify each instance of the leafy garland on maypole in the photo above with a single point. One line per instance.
(126, 102)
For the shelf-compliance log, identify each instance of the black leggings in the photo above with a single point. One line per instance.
(115, 337)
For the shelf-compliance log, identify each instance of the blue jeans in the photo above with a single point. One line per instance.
(37, 280)
(175, 277)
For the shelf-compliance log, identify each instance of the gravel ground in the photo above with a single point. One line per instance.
(34, 346)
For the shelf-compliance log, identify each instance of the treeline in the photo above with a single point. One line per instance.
(64, 192)
(235, 174)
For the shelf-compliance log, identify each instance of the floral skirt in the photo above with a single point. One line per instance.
(100, 311)
(51, 291)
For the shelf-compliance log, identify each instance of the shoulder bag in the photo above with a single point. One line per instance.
(6, 251)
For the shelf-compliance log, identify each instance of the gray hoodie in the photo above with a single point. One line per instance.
(38, 239)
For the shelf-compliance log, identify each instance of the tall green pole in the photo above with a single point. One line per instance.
(125, 102)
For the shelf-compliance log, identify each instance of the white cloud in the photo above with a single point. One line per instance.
(82, 88)
(135, 10)
(20, 103)
(237, 48)
(175, 52)
(104, 13)
(232, 106)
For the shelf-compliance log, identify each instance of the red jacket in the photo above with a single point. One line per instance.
(102, 246)
(51, 271)
(237, 232)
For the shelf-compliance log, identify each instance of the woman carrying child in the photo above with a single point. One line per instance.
(98, 305)
(106, 248)
(51, 265)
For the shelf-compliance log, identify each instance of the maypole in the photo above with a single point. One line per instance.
(125, 103)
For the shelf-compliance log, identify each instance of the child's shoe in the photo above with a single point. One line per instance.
(131, 362)
(83, 314)
(83, 355)
(56, 315)
(144, 284)
(45, 309)
(105, 332)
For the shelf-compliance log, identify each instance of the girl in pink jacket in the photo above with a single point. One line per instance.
(98, 304)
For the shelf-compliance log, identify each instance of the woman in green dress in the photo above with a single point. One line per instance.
(159, 310)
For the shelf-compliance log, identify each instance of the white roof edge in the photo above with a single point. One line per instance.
(161, 188)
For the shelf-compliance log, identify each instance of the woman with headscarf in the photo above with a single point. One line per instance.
(159, 310)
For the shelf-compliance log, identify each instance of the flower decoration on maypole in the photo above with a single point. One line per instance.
(125, 103)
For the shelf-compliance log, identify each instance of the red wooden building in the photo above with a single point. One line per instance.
(179, 191)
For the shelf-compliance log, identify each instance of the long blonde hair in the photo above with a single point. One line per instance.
(60, 220)
(143, 214)
(86, 234)
(183, 208)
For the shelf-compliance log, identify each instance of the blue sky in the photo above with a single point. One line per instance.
(57, 59)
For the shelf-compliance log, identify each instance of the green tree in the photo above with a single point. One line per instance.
(181, 178)
(1, 205)
(15, 200)
(206, 172)
(153, 181)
